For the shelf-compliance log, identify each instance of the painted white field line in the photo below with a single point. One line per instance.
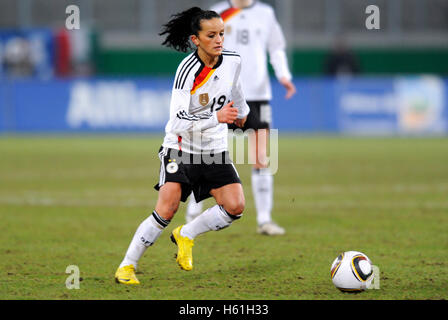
(23, 175)
(282, 189)
(58, 202)
(362, 188)
(132, 202)
(85, 193)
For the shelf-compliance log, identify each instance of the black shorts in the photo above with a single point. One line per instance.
(196, 173)
(259, 117)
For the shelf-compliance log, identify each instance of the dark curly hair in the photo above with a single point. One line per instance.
(184, 24)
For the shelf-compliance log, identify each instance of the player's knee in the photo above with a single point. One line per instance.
(235, 208)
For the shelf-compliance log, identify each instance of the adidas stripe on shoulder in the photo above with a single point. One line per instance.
(230, 53)
(185, 68)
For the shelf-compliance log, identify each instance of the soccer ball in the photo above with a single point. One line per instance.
(352, 271)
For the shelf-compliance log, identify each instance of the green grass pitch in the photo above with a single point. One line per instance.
(78, 200)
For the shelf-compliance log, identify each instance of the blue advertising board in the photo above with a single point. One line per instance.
(378, 106)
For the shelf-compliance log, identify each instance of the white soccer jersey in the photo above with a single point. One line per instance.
(252, 32)
(198, 93)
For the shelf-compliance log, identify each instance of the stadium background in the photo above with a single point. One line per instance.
(362, 156)
(112, 74)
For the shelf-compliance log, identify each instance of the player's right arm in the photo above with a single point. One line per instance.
(181, 120)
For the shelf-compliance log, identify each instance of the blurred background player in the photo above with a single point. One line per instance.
(341, 61)
(192, 111)
(252, 30)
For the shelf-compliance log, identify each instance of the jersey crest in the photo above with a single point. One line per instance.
(203, 99)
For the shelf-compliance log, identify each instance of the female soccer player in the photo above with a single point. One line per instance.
(206, 96)
(253, 31)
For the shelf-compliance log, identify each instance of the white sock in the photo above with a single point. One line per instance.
(262, 188)
(193, 209)
(214, 218)
(147, 233)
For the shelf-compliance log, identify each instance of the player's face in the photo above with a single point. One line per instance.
(241, 3)
(210, 38)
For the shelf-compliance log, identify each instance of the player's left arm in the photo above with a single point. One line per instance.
(278, 58)
(239, 99)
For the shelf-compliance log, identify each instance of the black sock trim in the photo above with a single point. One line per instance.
(233, 217)
(164, 223)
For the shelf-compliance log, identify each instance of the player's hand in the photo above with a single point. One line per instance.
(289, 86)
(227, 114)
(240, 122)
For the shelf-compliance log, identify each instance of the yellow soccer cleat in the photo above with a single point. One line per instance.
(126, 275)
(184, 249)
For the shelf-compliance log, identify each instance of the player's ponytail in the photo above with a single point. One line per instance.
(184, 24)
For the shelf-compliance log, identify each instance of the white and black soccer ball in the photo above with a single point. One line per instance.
(352, 271)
